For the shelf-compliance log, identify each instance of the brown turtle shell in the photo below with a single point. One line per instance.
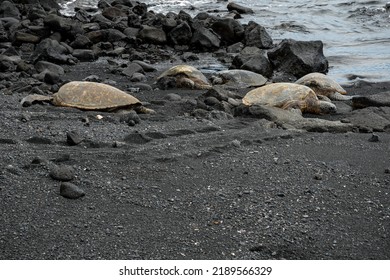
(282, 95)
(93, 96)
(321, 84)
(189, 72)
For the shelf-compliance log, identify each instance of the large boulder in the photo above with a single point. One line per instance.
(230, 30)
(239, 9)
(204, 38)
(65, 26)
(256, 35)
(152, 35)
(258, 63)
(253, 59)
(299, 57)
(45, 66)
(52, 51)
(181, 34)
(381, 99)
(8, 9)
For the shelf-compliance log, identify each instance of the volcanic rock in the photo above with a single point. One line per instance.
(238, 8)
(299, 57)
(230, 30)
(181, 34)
(69, 190)
(62, 172)
(152, 35)
(256, 35)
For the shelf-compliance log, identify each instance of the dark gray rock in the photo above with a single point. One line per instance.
(73, 138)
(113, 13)
(256, 35)
(181, 34)
(131, 69)
(51, 78)
(113, 35)
(71, 191)
(23, 37)
(238, 8)
(299, 57)
(62, 172)
(81, 42)
(8, 9)
(35, 12)
(374, 138)
(103, 22)
(205, 39)
(258, 64)
(229, 30)
(147, 67)
(173, 97)
(131, 118)
(67, 27)
(52, 51)
(42, 66)
(84, 55)
(6, 64)
(369, 119)
(152, 35)
(138, 77)
(375, 100)
(133, 20)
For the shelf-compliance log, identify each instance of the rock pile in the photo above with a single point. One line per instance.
(34, 36)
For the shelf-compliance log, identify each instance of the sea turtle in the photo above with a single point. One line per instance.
(90, 96)
(186, 76)
(324, 86)
(239, 77)
(288, 96)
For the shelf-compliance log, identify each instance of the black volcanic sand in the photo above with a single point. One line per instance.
(177, 187)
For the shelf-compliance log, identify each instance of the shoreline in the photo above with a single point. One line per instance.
(186, 182)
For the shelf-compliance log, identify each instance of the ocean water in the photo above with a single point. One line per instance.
(356, 34)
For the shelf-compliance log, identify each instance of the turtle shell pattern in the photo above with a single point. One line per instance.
(281, 95)
(189, 71)
(240, 76)
(92, 96)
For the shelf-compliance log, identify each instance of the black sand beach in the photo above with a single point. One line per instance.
(190, 184)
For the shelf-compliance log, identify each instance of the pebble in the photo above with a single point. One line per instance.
(173, 97)
(62, 172)
(73, 138)
(131, 118)
(318, 176)
(374, 138)
(69, 190)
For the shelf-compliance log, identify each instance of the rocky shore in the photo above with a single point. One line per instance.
(200, 179)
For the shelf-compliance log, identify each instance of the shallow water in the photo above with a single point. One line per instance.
(355, 34)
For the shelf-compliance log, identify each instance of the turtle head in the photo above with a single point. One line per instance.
(325, 107)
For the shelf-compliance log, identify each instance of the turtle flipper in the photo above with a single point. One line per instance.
(144, 110)
(35, 98)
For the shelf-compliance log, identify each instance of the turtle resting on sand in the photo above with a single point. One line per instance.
(186, 76)
(288, 96)
(324, 86)
(90, 96)
(242, 78)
